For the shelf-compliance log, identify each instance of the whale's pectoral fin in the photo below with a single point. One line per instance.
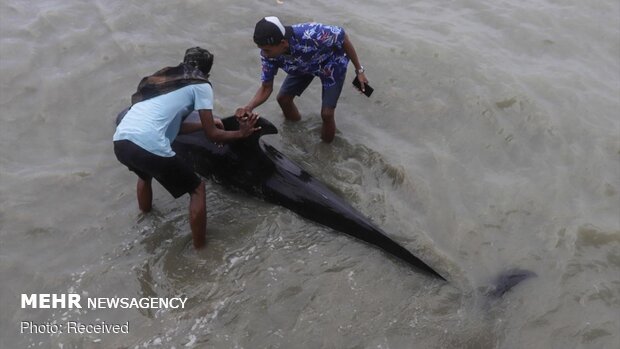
(509, 279)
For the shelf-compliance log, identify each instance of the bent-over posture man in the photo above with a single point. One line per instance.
(143, 137)
(304, 51)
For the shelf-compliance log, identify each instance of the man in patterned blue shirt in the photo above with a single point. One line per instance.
(304, 51)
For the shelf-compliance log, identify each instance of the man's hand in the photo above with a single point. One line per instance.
(363, 81)
(242, 111)
(247, 123)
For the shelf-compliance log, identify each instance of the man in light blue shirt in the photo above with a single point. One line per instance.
(143, 138)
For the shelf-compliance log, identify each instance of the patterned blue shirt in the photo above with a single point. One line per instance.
(315, 49)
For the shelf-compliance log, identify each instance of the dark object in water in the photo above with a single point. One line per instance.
(506, 281)
(261, 170)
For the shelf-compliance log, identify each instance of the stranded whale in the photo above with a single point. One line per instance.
(262, 171)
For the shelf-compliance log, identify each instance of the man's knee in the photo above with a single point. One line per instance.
(284, 100)
(199, 192)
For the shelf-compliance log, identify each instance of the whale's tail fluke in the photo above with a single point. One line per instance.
(507, 280)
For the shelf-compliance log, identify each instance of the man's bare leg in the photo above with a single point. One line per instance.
(289, 108)
(144, 191)
(198, 216)
(328, 131)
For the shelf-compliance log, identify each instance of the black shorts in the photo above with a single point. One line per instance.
(171, 172)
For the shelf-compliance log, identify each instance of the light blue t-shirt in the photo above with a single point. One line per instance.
(153, 124)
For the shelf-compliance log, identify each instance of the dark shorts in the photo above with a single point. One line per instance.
(171, 172)
(295, 85)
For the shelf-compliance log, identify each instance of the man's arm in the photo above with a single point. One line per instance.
(263, 92)
(350, 51)
(190, 127)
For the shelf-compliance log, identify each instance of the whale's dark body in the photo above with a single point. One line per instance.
(263, 171)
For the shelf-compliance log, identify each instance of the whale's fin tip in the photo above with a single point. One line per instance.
(508, 280)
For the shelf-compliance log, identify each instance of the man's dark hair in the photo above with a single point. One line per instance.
(200, 58)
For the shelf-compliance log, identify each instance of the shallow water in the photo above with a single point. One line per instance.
(492, 142)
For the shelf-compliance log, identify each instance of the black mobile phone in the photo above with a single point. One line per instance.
(368, 90)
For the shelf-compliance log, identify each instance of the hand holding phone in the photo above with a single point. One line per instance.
(367, 89)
